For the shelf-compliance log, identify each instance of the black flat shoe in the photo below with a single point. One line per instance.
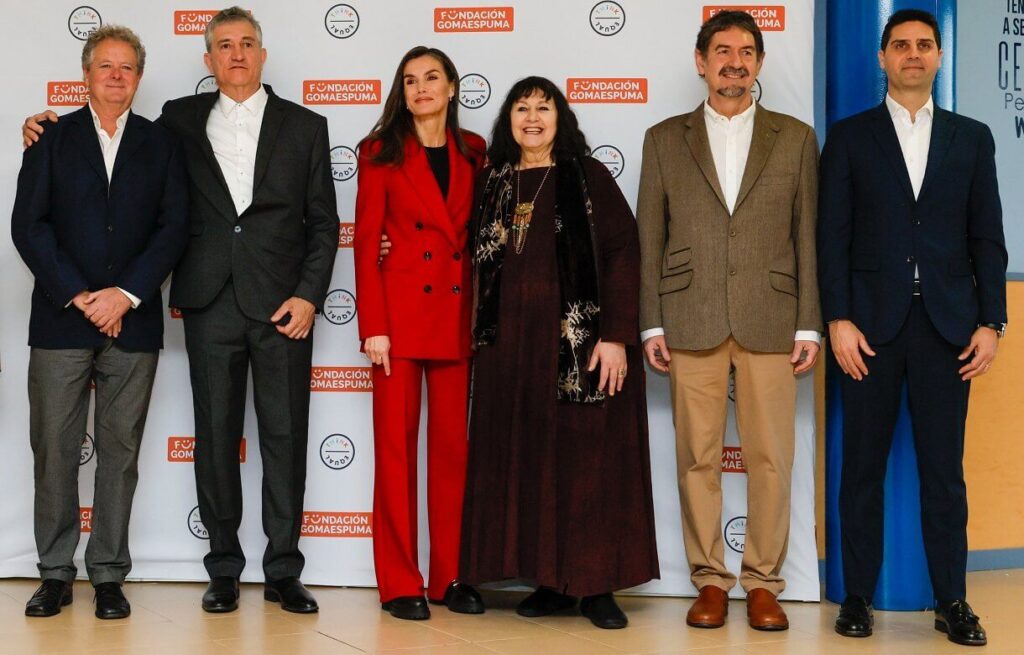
(960, 623)
(543, 602)
(461, 598)
(603, 611)
(855, 619)
(292, 594)
(221, 595)
(410, 608)
(49, 598)
(110, 602)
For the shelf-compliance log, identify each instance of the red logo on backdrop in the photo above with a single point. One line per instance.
(732, 460)
(606, 89)
(174, 312)
(66, 94)
(341, 378)
(341, 92)
(192, 21)
(769, 18)
(337, 524)
(182, 449)
(346, 235)
(85, 518)
(474, 19)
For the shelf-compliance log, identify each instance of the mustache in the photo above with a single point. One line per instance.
(729, 70)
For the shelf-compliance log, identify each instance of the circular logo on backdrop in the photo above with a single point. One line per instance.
(607, 18)
(341, 21)
(206, 85)
(736, 533)
(88, 449)
(344, 163)
(474, 91)
(756, 91)
(611, 157)
(339, 306)
(337, 451)
(195, 524)
(83, 21)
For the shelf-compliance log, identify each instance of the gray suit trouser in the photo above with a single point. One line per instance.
(58, 392)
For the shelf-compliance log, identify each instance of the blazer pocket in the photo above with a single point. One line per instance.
(678, 258)
(675, 282)
(783, 282)
(864, 262)
(961, 266)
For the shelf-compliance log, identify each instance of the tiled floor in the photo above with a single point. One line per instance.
(166, 620)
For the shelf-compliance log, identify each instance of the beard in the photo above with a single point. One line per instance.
(734, 90)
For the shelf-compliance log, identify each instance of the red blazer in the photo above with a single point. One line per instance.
(421, 296)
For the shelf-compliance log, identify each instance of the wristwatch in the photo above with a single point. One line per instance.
(1000, 328)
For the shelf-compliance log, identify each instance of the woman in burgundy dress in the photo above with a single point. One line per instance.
(558, 486)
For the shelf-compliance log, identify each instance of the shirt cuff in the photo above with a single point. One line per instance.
(807, 335)
(135, 300)
(653, 332)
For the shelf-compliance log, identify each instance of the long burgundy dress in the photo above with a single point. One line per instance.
(560, 493)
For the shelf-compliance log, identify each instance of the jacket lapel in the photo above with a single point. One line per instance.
(700, 148)
(273, 117)
(417, 171)
(214, 186)
(885, 134)
(131, 141)
(761, 143)
(89, 142)
(942, 135)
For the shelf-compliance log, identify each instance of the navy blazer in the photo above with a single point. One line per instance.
(872, 232)
(76, 232)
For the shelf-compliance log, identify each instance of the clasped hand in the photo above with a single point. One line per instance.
(104, 308)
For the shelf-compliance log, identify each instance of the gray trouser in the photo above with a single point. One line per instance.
(58, 392)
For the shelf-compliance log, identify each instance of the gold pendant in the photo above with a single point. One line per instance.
(524, 209)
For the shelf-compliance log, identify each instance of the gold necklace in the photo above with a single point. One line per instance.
(524, 212)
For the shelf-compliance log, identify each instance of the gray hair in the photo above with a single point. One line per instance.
(227, 16)
(117, 33)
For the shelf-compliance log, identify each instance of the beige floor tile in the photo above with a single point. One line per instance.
(388, 634)
(451, 649)
(308, 643)
(562, 644)
(494, 624)
(650, 639)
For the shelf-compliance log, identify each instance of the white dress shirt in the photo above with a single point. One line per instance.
(234, 132)
(915, 136)
(730, 139)
(109, 146)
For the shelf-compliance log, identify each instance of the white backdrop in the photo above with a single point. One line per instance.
(635, 56)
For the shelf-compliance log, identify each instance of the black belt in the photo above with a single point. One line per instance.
(917, 287)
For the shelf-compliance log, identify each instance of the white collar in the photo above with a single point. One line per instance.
(896, 109)
(254, 104)
(120, 122)
(744, 116)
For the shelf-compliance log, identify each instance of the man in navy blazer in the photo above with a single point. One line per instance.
(912, 271)
(100, 218)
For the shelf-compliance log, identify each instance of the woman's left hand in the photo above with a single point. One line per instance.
(611, 357)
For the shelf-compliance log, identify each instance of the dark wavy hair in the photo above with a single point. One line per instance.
(725, 20)
(395, 124)
(569, 140)
(911, 15)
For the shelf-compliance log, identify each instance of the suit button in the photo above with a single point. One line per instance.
(238, 228)
(732, 271)
(428, 289)
(419, 225)
(457, 256)
(110, 267)
(110, 228)
(732, 233)
(910, 260)
(917, 222)
(456, 290)
(427, 256)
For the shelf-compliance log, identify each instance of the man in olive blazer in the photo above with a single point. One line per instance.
(727, 212)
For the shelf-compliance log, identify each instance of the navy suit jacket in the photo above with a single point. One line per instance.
(872, 232)
(76, 232)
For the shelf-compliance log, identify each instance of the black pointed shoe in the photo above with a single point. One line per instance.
(544, 601)
(221, 595)
(292, 594)
(603, 611)
(960, 623)
(410, 608)
(110, 602)
(462, 599)
(855, 619)
(49, 598)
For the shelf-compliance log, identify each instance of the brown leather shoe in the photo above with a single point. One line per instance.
(710, 608)
(764, 612)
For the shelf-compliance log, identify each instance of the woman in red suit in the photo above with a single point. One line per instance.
(416, 175)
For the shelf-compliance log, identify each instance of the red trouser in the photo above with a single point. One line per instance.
(396, 421)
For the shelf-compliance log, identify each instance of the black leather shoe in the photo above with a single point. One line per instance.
(603, 611)
(49, 598)
(292, 594)
(410, 608)
(544, 601)
(110, 602)
(960, 623)
(855, 618)
(461, 598)
(221, 595)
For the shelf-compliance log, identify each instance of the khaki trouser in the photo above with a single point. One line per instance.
(765, 417)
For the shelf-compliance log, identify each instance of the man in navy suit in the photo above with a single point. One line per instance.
(912, 271)
(100, 218)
